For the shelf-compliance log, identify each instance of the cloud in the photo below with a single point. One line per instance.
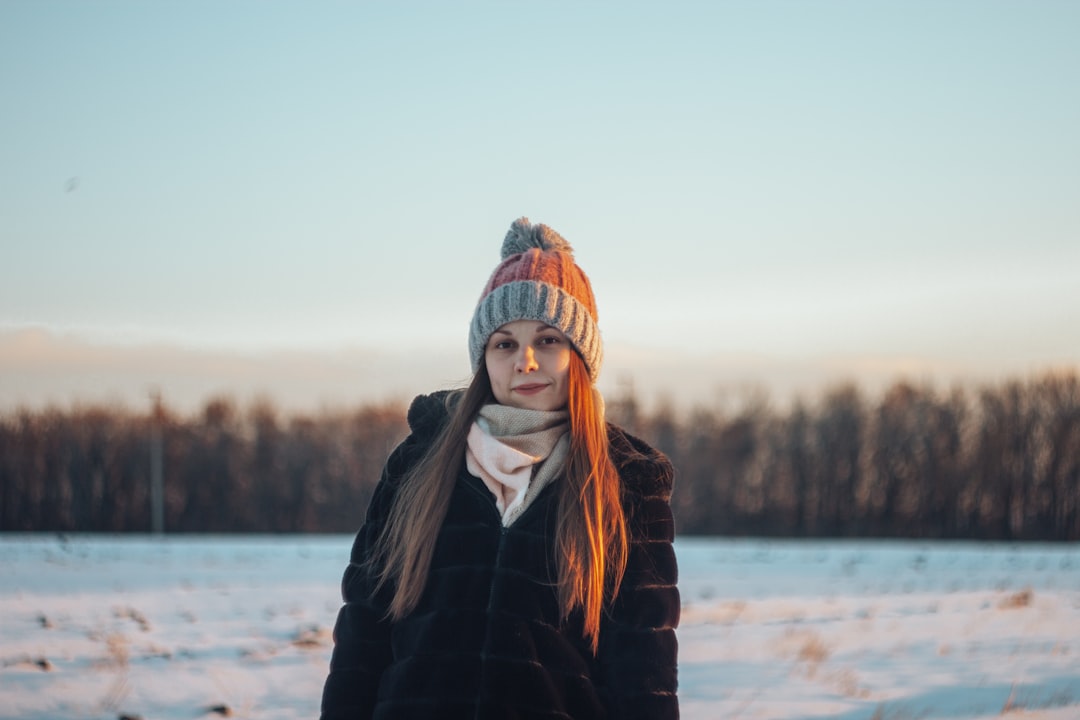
(39, 367)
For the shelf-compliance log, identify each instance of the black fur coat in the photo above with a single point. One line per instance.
(486, 641)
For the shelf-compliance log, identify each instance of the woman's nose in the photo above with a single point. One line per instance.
(526, 360)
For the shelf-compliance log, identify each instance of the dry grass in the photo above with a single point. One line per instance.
(813, 650)
(897, 713)
(41, 663)
(848, 684)
(117, 654)
(312, 637)
(1034, 699)
(808, 649)
(1019, 599)
(117, 658)
(1010, 702)
(134, 615)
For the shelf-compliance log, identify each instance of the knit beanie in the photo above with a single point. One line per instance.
(538, 280)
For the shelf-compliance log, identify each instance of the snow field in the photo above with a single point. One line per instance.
(184, 627)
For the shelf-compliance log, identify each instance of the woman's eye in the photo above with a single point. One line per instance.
(549, 340)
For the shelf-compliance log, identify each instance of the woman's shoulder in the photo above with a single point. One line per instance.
(643, 469)
(426, 416)
(428, 413)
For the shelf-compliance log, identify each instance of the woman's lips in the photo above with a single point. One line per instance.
(530, 388)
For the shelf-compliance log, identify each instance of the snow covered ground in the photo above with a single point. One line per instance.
(189, 627)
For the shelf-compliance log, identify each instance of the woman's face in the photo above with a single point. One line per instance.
(528, 363)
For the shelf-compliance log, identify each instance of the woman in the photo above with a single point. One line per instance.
(516, 559)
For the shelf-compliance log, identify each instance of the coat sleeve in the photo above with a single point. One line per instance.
(638, 652)
(362, 632)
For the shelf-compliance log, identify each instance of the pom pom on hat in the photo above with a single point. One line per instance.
(538, 280)
(523, 236)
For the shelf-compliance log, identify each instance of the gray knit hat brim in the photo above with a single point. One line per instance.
(531, 300)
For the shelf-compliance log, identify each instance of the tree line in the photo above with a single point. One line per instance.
(996, 461)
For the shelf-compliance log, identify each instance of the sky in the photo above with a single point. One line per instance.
(303, 200)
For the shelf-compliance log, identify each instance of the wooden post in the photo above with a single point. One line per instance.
(157, 480)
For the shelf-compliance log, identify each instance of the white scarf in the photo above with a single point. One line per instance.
(516, 453)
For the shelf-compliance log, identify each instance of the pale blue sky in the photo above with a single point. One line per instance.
(748, 184)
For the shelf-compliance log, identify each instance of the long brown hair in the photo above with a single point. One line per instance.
(591, 538)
